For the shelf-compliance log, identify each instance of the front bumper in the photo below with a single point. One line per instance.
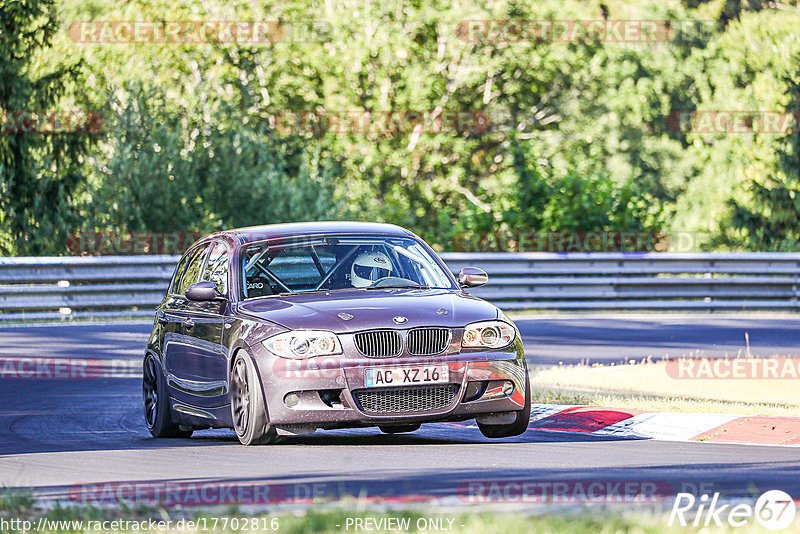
(316, 381)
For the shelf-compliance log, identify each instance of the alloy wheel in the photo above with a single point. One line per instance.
(241, 396)
(150, 386)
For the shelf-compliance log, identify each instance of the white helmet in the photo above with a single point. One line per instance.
(369, 267)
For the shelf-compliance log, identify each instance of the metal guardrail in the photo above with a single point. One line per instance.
(705, 281)
(77, 287)
(114, 286)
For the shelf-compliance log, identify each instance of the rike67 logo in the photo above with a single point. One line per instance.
(774, 510)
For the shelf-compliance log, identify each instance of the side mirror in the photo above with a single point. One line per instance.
(203, 291)
(472, 277)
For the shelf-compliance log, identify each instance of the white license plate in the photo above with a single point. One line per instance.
(378, 377)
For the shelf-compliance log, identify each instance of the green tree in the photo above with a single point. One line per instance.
(768, 217)
(169, 171)
(576, 195)
(39, 172)
(579, 139)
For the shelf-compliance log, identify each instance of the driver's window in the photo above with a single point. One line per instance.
(217, 267)
(192, 273)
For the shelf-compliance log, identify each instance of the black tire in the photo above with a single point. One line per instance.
(398, 429)
(249, 414)
(157, 412)
(520, 424)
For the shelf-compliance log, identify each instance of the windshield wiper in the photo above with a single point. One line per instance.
(397, 287)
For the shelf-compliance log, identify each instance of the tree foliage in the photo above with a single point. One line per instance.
(39, 172)
(579, 135)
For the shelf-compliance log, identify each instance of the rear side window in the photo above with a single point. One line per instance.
(217, 267)
(192, 273)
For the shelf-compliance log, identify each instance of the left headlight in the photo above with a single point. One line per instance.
(299, 344)
(488, 334)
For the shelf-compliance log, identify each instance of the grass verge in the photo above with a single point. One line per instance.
(648, 386)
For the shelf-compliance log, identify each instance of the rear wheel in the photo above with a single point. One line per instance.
(521, 421)
(157, 412)
(398, 429)
(247, 404)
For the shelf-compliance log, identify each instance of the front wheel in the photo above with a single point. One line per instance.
(157, 413)
(520, 424)
(247, 404)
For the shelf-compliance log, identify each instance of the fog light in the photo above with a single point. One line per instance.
(331, 397)
(291, 400)
(497, 389)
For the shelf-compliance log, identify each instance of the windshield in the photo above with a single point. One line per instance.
(330, 263)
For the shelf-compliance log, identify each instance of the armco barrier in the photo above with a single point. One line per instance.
(88, 286)
(109, 286)
(630, 281)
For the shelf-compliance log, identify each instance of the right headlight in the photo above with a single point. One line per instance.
(300, 344)
(488, 334)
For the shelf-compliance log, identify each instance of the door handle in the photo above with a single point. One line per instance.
(188, 324)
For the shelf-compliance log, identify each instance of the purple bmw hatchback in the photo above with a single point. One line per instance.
(286, 329)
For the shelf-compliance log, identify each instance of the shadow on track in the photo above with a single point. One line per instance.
(621, 485)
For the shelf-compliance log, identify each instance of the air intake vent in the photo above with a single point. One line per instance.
(379, 343)
(426, 341)
(406, 400)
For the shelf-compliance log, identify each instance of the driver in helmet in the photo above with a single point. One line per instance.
(369, 267)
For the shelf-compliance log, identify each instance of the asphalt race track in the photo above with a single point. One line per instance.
(616, 338)
(59, 434)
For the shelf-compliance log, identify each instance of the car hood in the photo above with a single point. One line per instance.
(371, 309)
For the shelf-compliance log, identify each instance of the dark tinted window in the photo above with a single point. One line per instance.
(192, 273)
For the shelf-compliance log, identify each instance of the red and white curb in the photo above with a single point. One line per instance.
(624, 422)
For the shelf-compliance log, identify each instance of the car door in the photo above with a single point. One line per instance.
(192, 347)
(210, 357)
(165, 313)
(171, 315)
